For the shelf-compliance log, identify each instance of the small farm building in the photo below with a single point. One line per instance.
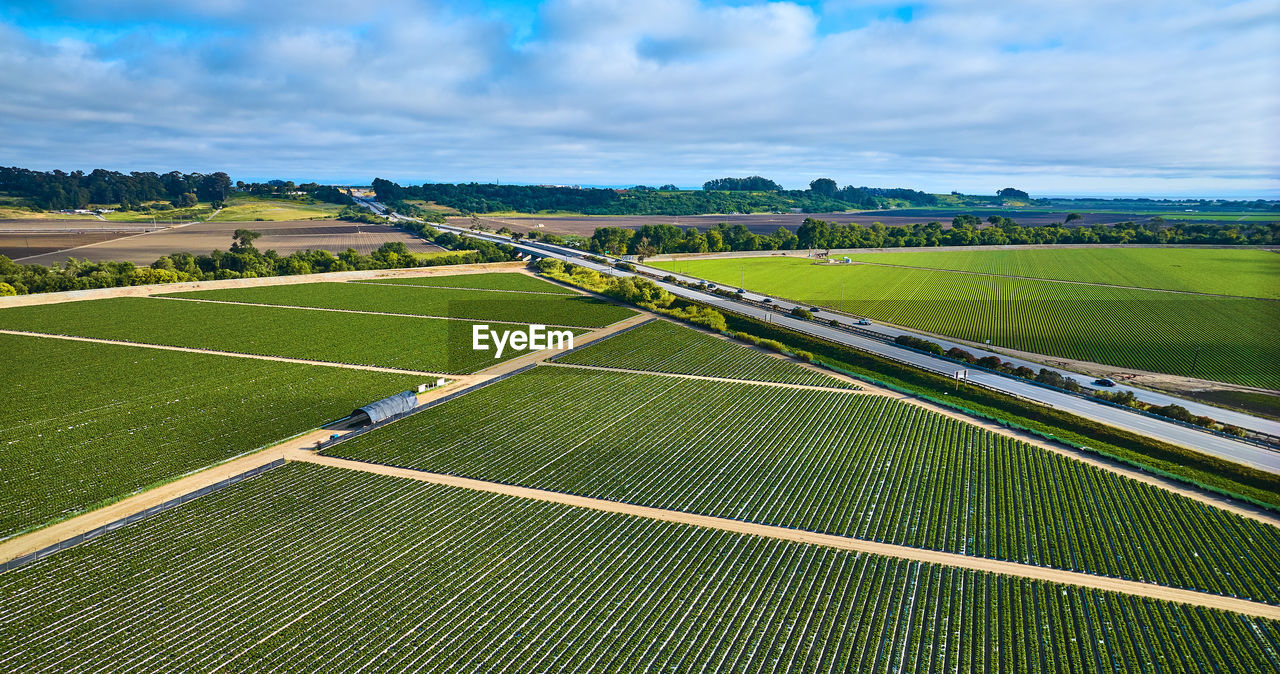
(384, 409)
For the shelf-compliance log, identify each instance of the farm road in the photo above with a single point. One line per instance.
(359, 311)
(754, 382)
(282, 359)
(1130, 587)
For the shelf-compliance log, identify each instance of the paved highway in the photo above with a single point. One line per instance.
(1216, 445)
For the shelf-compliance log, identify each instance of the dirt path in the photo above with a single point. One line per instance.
(254, 356)
(142, 291)
(479, 290)
(810, 538)
(756, 382)
(360, 311)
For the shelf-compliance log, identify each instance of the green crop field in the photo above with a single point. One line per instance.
(843, 463)
(663, 346)
(410, 343)
(1222, 271)
(1141, 329)
(255, 208)
(311, 568)
(85, 423)
(574, 310)
(497, 281)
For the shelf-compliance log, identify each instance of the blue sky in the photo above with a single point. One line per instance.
(1176, 97)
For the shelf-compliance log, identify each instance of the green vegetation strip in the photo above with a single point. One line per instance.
(1219, 338)
(587, 312)
(408, 343)
(313, 568)
(505, 281)
(1222, 271)
(90, 423)
(662, 346)
(869, 467)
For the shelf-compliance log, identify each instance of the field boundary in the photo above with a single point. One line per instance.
(188, 286)
(579, 347)
(725, 380)
(369, 313)
(1105, 583)
(482, 290)
(136, 517)
(233, 354)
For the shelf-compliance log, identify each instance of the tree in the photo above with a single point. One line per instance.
(1072, 217)
(185, 200)
(7, 290)
(244, 239)
(824, 186)
(1011, 193)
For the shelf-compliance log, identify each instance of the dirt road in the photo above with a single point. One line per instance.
(827, 540)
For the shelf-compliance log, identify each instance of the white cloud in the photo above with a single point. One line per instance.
(1143, 96)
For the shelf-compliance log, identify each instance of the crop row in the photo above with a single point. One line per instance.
(576, 310)
(310, 568)
(84, 423)
(1222, 271)
(1220, 338)
(869, 467)
(410, 343)
(662, 346)
(493, 281)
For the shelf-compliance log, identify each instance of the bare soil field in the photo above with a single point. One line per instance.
(202, 237)
(18, 245)
(766, 223)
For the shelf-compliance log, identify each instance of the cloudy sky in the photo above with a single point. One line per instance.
(1156, 97)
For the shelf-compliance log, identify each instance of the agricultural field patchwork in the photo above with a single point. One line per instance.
(663, 346)
(1219, 338)
(316, 568)
(499, 281)
(580, 311)
(1221, 271)
(868, 467)
(85, 423)
(409, 343)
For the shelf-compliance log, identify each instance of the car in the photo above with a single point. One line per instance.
(1103, 382)
(741, 291)
(767, 300)
(813, 310)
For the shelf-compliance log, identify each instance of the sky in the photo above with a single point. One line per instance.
(1142, 97)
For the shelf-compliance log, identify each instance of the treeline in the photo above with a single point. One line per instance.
(241, 260)
(57, 190)
(966, 230)
(490, 198)
(285, 189)
(749, 184)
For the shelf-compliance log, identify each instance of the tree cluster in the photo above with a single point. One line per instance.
(748, 184)
(57, 190)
